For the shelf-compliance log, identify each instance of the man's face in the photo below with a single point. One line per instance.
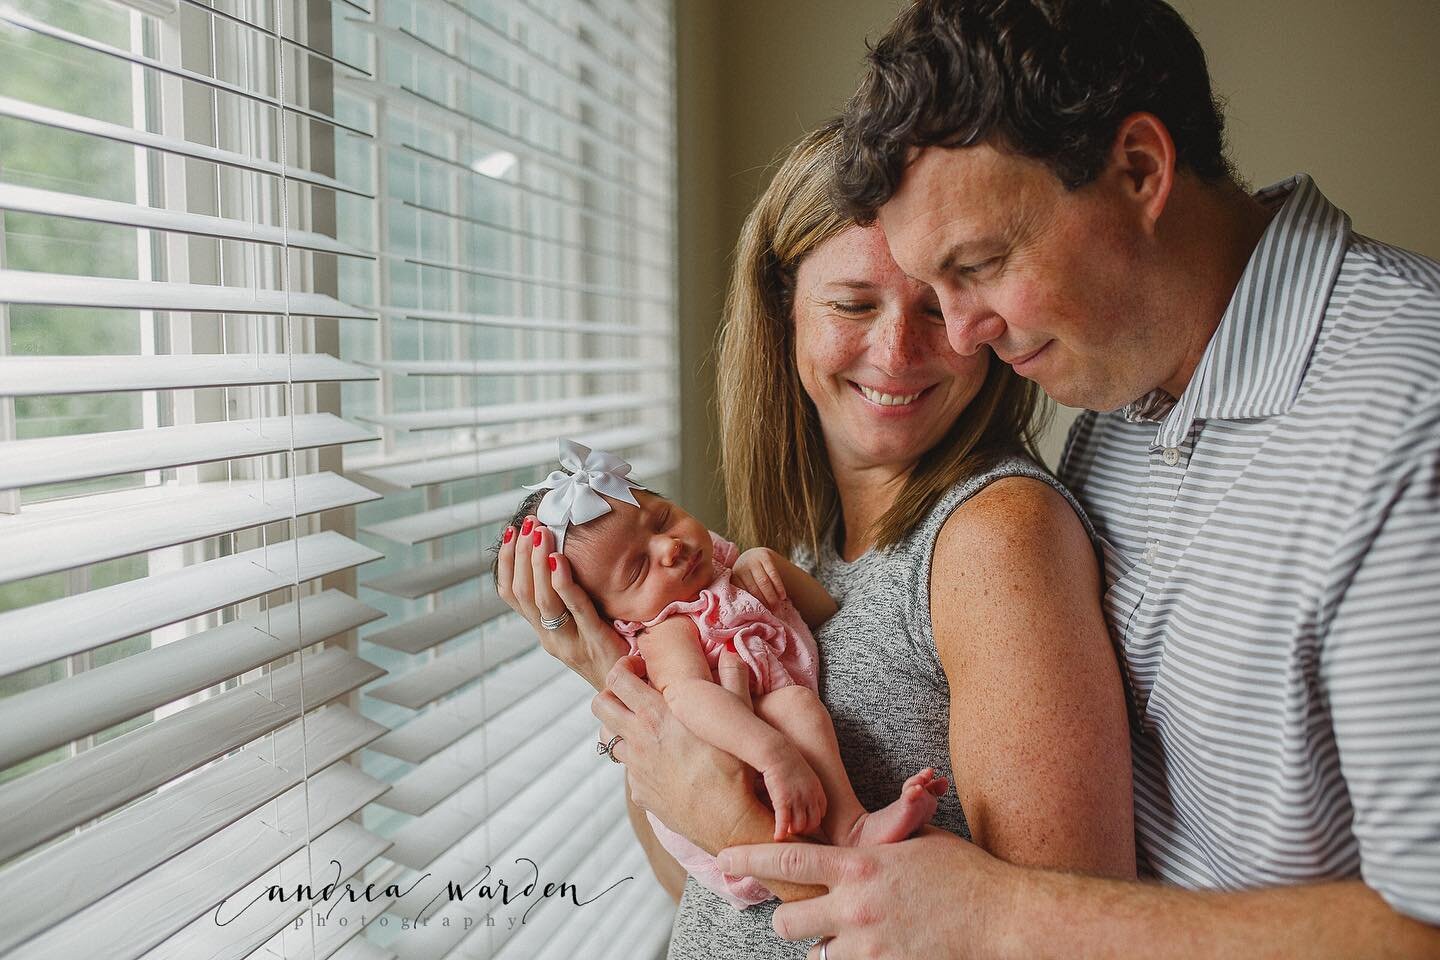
(1052, 280)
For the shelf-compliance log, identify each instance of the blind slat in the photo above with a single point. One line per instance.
(67, 290)
(428, 629)
(440, 58)
(44, 632)
(460, 465)
(453, 669)
(516, 368)
(445, 723)
(423, 579)
(37, 720)
(59, 119)
(44, 804)
(297, 44)
(439, 777)
(85, 456)
(484, 135)
(43, 890)
(531, 323)
(75, 39)
(514, 412)
(31, 376)
(64, 534)
(444, 521)
(75, 207)
(565, 751)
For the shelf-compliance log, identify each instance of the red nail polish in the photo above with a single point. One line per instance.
(509, 534)
(526, 526)
(554, 564)
(536, 538)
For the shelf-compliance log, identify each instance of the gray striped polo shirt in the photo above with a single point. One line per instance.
(1272, 545)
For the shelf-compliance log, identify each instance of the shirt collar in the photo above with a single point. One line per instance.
(1255, 362)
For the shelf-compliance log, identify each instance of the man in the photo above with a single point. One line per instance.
(1266, 483)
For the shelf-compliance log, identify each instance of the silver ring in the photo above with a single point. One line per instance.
(608, 749)
(555, 623)
(824, 946)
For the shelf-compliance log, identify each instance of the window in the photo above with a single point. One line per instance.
(293, 296)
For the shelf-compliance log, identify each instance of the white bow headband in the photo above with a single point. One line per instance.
(575, 497)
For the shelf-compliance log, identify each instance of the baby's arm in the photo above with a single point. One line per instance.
(676, 666)
(772, 578)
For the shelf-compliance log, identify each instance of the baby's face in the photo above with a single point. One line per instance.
(634, 561)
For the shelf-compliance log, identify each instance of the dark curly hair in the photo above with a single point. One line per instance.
(1048, 79)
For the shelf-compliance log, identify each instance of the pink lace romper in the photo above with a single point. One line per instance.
(779, 650)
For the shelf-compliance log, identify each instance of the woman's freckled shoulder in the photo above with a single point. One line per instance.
(1015, 526)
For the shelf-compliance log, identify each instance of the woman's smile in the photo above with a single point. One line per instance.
(892, 400)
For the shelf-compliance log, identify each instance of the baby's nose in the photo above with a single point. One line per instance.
(674, 552)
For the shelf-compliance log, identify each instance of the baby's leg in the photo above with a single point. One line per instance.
(796, 712)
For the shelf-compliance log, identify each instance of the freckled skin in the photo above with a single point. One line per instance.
(860, 319)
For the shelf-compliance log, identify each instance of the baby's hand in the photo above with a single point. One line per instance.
(796, 794)
(758, 572)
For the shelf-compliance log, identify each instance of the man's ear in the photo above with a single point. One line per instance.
(1142, 162)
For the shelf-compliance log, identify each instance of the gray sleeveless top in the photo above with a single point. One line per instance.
(881, 678)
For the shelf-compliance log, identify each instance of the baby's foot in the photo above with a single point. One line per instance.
(911, 810)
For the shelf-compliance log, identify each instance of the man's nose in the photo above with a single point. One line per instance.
(969, 324)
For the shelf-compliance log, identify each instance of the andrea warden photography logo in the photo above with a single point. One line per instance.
(528, 889)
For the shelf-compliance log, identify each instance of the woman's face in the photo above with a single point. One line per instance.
(872, 354)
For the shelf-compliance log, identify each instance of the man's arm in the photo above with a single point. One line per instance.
(1379, 671)
(985, 908)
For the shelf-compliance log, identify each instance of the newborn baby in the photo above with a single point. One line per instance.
(681, 595)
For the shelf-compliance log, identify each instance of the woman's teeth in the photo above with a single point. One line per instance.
(887, 399)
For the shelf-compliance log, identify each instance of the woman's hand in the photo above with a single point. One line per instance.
(935, 895)
(670, 769)
(536, 582)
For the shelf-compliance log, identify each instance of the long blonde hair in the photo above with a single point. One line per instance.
(779, 488)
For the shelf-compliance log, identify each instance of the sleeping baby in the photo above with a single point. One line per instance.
(681, 595)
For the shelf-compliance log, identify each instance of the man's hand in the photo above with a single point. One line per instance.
(930, 896)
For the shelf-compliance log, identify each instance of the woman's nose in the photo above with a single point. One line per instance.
(898, 343)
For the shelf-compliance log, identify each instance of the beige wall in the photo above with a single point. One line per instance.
(1346, 91)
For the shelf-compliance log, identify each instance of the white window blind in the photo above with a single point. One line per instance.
(291, 288)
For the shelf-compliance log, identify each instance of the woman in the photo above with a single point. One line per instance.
(969, 624)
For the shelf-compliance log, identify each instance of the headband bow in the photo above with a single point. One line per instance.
(575, 497)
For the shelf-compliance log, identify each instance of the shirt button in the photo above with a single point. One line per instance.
(1171, 456)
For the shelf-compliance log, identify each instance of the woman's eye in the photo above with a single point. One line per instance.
(852, 308)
